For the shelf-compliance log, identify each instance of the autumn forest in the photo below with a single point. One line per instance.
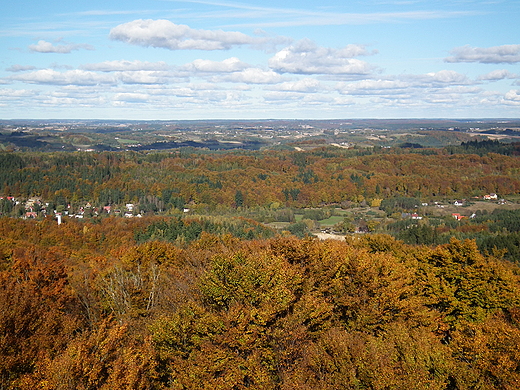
(202, 292)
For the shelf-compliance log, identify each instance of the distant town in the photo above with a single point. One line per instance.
(93, 135)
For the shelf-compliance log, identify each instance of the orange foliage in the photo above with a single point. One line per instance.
(89, 311)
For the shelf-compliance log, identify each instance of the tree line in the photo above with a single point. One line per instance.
(170, 180)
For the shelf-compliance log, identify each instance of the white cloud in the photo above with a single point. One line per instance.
(123, 65)
(458, 89)
(491, 55)
(513, 96)
(287, 98)
(446, 77)
(20, 68)
(305, 57)
(48, 47)
(165, 34)
(143, 77)
(89, 78)
(232, 64)
(131, 97)
(254, 76)
(7, 94)
(71, 77)
(373, 87)
(500, 74)
(305, 85)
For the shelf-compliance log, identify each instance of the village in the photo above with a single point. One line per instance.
(459, 209)
(36, 207)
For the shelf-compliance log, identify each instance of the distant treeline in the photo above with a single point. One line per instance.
(482, 147)
(240, 178)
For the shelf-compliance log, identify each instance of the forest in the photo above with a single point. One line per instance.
(107, 305)
(216, 298)
(207, 180)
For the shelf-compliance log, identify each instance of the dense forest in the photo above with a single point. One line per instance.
(106, 305)
(208, 180)
(214, 299)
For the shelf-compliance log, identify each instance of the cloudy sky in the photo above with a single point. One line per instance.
(252, 59)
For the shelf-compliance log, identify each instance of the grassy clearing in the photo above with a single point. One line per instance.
(125, 141)
(332, 220)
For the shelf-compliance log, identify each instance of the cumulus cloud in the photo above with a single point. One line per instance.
(491, 55)
(496, 75)
(20, 68)
(7, 94)
(89, 78)
(232, 64)
(131, 97)
(446, 77)
(513, 96)
(305, 85)
(48, 47)
(123, 65)
(372, 87)
(71, 77)
(305, 57)
(253, 76)
(165, 34)
(142, 77)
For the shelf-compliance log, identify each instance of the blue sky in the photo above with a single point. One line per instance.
(248, 59)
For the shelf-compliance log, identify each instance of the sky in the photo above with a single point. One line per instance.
(251, 59)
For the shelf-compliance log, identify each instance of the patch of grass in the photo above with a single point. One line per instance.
(125, 141)
(332, 220)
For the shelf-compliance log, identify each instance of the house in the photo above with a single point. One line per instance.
(457, 216)
(458, 203)
(490, 196)
(31, 202)
(416, 216)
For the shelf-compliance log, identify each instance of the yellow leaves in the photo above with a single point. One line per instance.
(283, 313)
(399, 359)
(106, 358)
(487, 353)
(184, 332)
(263, 281)
(204, 351)
(378, 243)
(153, 252)
(459, 282)
(376, 202)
